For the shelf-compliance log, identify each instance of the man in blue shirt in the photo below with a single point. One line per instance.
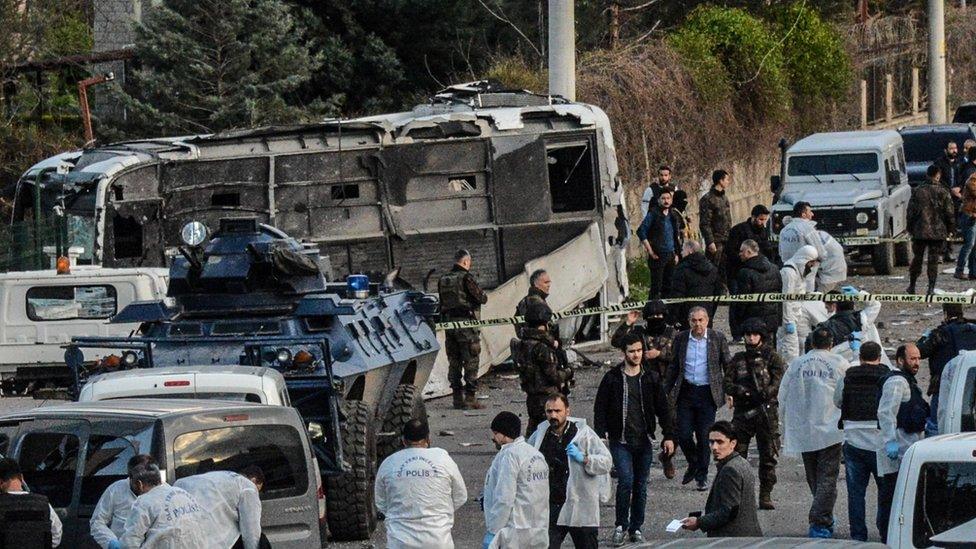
(660, 235)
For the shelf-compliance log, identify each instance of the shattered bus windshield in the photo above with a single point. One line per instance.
(67, 217)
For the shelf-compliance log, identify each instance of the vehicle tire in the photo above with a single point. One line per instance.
(350, 509)
(883, 258)
(903, 254)
(407, 404)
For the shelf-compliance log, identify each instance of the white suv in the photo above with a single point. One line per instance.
(235, 383)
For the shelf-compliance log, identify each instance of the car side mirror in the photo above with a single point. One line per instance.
(775, 182)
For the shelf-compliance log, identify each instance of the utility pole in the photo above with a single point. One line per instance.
(937, 59)
(562, 49)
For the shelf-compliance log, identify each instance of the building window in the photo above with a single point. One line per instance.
(571, 179)
(343, 192)
(71, 302)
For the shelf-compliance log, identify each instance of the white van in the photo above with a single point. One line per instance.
(235, 383)
(41, 310)
(957, 394)
(935, 497)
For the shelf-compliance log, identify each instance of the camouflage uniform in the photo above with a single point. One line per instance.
(535, 295)
(752, 380)
(662, 342)
(541, 373)
(715, 224)
(461, 298)
(930, 222)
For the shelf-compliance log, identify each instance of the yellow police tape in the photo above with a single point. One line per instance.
(869, 240)
(964, 299)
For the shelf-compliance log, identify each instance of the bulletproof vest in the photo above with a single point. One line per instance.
(751, 369)
(912, 414)
(25, 521)
(453, 295)
(860, 397)
(961, 337)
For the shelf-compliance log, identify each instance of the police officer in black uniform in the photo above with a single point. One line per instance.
(751, 388)
(28, 521)
(941, 345)
(541, 372)
(461, 298)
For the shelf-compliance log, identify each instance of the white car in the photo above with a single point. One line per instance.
(236, 383)
(957, 395)
(935, 497)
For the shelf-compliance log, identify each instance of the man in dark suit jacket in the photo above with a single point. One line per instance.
(695, 382)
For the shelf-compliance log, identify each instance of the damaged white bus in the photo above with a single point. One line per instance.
(523, 181)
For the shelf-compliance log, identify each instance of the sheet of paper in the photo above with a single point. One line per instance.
(674, 526)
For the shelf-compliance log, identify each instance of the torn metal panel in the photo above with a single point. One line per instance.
(578, 269)
(520, 184)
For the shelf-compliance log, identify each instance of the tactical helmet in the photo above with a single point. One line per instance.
(754, 326)
(538, 314)
(655, 307)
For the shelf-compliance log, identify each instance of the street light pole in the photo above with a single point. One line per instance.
(562, 49)
(937, 58)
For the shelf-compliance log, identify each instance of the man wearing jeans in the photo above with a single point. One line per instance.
(809, 421)
(627, 402)
(857, 397)
(696, 382)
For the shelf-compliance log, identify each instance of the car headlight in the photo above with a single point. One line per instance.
(130, 359)
(284, 356)
(862, 217)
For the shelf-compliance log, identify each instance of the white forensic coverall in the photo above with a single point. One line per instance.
(233, 503)
(945, 388)
(108, 520)
(517, 498)
(801, 232)
(167, 517)
(794, 282)
(57, 529)
(588, 485)
(894, 392)
(807, 414)
(833, 265)
(419, 489)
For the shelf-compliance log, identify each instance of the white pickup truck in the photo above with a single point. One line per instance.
(957, 394)
(237, 383)
(42, 310)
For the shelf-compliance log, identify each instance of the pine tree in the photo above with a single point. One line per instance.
(211, 65)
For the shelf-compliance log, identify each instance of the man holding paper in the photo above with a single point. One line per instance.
(730, 510)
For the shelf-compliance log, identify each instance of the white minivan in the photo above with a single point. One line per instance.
(234, 383)
(957, 394)
(935, 497)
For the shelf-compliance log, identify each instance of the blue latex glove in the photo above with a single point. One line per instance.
(487, 541)
(855, 341)
(790, 328)
(115, 544)
(575, 453)
(849, 290)
(891, 449)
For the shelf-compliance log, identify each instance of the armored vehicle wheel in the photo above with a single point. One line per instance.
(883, 258)
(350, 506)
(407, 404)
(903, 254)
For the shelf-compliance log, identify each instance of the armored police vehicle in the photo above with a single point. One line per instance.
(857, 185)
(354, 355)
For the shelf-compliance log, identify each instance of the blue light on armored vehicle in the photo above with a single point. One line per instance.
(358, 286)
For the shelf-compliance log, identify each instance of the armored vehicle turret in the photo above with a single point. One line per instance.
(354, 354)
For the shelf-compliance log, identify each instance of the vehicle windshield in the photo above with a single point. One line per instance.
(22, 242)
(929, 146)
(833, 164)
(945, 498)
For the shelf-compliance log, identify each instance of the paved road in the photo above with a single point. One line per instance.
(470, 446)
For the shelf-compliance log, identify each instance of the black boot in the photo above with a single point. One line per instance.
(931, 288)
(911, 287)
(458, 399)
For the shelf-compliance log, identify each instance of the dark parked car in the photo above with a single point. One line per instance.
(926, 143)
(965, 114)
